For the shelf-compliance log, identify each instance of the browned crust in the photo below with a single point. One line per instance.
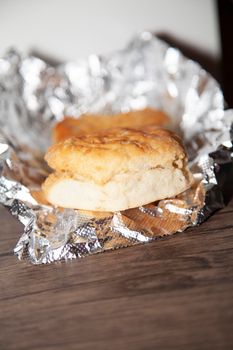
(89, 123)
(100, 157)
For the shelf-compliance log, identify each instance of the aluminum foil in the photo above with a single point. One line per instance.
(34, 95)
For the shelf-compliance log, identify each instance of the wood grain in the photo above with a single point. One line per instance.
(176, 293)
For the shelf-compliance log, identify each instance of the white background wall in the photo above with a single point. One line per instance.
(70, 29)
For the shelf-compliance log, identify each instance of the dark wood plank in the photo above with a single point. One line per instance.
(176, 293)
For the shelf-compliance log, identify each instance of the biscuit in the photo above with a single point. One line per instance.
(117, 170)
(87, 124)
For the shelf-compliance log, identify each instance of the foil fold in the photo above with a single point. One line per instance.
(34, 95)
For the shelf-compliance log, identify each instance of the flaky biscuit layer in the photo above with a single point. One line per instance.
(117, 170)
(100, 157)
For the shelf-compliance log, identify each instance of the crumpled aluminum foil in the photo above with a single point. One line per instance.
(34, 95)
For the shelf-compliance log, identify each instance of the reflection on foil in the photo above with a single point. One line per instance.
(34, 95)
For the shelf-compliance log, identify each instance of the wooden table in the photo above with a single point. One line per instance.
(176, 293)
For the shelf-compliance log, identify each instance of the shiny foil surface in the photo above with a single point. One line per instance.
(34, 95)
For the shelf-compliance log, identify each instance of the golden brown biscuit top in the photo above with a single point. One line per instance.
(116, 151)
(87, 124)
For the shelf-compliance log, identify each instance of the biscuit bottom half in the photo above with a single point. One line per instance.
(123, 191)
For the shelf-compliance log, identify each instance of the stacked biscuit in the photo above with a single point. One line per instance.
(113, 163)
